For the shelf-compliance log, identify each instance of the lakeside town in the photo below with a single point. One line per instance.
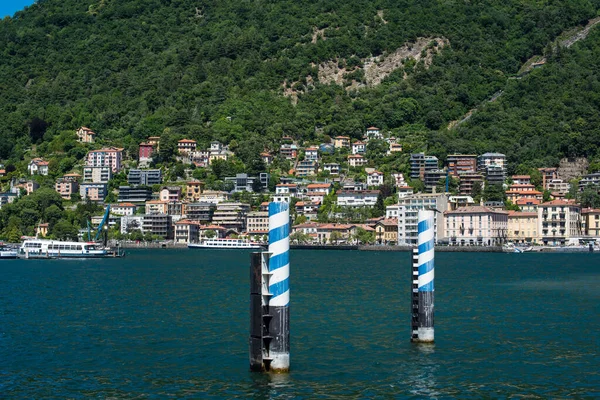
(337, 194)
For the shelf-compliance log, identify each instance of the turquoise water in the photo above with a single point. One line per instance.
(174, 323)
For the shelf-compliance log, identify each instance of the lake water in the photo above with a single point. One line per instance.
(174, 323)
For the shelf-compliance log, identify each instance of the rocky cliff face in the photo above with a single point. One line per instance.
(371, 71)
(571, 168)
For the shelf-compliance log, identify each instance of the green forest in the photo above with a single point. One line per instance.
(130, 69)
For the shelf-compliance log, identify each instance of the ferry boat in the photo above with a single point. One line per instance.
(7, 252)
(44, 248)
(224, 244)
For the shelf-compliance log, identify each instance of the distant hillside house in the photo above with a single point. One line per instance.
(145, 153)
(107, 157)
(373, 133)
(357, 198)
(341, 141)
(359, 147)
(375, 178)
(194, 191)
(356, 160)
(93, 191)
(288, 151)
(123, 209)
(37, 166)
(395, 148)
(306, 168)
(66, 187)
(170, 193)
(97, 174)
(311, 154)
(185, 146)
(85, 135)
(267, 158)
(332, 168)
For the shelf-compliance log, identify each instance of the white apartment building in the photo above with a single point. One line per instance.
(357, 198)
(356, 160)
(359, 147)
(408, 219)
(559, 221)
(476, 225)
(97, 174)
(284, 192)
(375, 178)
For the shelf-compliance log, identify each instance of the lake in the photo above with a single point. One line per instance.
(175, 323)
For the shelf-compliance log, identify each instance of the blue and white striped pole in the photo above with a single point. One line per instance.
(279, 286)
(426, 242)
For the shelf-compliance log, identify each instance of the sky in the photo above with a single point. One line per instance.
(9, 7)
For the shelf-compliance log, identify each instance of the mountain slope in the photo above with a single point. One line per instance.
(131, 68)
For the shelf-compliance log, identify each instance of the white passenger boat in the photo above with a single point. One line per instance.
(44, 248)
(6, 252)
(224, 244)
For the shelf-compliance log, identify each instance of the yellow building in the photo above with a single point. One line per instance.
(591, 221)
(386, 231)
(157, 207)
(193, 191)
(523, 227)
(341, 141)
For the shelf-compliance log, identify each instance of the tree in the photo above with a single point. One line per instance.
(363, 236)
(379, 209)
(335, 237)
(299, 237)
(209, 234)
(64, 230)
(476, 192)
(494, 193)
(589, 197)
(300, 219)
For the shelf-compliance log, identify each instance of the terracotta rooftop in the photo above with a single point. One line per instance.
(559, 202)
(521, 214)
(534, 202)
(475, 210)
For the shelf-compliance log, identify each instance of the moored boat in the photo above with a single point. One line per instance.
(225, 244)
(7, 252)
(44, 248)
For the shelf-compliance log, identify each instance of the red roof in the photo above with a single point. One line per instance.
(187, 141)
(389, 222)
(559, 202)
(319, 185)
(475, 210)
(533, 202)
(124, 205)
(372, 128)
(521, 214)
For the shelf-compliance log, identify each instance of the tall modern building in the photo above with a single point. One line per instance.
(462, 163)
(144, 177)
(408, 209)
(493, 166)
(420, 164)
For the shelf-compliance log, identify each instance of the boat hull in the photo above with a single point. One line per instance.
(205, 246)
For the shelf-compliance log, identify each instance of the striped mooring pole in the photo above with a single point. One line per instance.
(270, 297)
(422, 280)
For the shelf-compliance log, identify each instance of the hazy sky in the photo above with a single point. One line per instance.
(9, 7)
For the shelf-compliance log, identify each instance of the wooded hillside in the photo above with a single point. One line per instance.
(129, 69)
